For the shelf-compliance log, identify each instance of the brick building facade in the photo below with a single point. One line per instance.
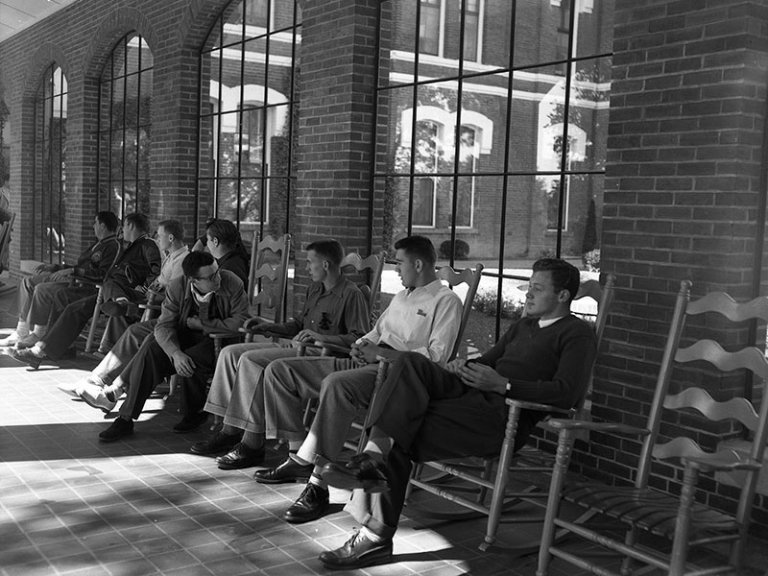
(685, 188)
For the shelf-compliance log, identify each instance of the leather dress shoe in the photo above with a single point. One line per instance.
(28, 341)
(117, 430)
(95, 397)
(362, 471)
(311, 505)
(358, 552)
(217, 443)
(288, 471)
(190, 422)
(113, 308)
(28, 357)
(11, 340)
(241, 456)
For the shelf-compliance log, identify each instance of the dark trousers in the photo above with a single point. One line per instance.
(151, 365)
(431, 415)
(71, 321)
(50, 298)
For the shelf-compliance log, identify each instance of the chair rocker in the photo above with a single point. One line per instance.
(678, 407)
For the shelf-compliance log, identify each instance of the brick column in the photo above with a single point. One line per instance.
(682, 190)
(338, 66)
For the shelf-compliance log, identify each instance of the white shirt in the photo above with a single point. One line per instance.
(171, 266)
(424, 320)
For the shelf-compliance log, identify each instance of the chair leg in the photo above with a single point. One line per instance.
(553, 501)
(94, 320)
(415, 474)
(497, 500)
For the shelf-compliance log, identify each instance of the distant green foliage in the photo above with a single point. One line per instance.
(488, 303)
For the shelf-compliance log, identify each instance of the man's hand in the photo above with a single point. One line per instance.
(45, 268)
(483, 378)
(307, 336)
(365, 352)
(183, 364)
(455, 365)
(141, 289)
(193, 323)
(60, 275)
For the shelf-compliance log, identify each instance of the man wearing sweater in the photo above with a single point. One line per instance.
(427, 412)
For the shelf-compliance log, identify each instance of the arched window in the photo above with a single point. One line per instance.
(246, 115)
(49, 189)
(125, 134)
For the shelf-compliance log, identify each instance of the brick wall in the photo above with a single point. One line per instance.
(79, 39)
(338, 66)
(683, 185)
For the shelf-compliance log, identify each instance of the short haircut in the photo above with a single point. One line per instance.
(418, 247)
(173, 227)
(565, 276)
(109, 219)
(224, 231)
(194, 261)
(139, 221)
(331, 250)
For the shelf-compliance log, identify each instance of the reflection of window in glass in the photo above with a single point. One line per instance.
(465, 200)
(429, 27)
(563, 29)
(245, 165)
(427, 158)
(49, 189)
(471, 29)
(553, 203)
(256, 12)
(253, 136)
(125, 135)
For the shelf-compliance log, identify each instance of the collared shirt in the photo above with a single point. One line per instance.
(424, 320)
(171, 266)
(340, 311)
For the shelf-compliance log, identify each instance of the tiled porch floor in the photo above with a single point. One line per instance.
(72, 505)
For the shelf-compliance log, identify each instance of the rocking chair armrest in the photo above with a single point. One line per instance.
(232, 334)
(525, 405)
(719, 462)
(333, 348)
(251, 323)
(568, 424)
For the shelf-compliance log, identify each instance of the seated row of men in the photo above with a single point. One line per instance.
(427, 408)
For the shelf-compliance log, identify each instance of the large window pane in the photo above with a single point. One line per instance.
(247, 112)
(494, 140)
(48, 234)
(125, 128)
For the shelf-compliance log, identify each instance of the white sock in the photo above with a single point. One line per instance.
(298, 460)
(22, 329)
(40, 330)
(317, 480)
(372, 536)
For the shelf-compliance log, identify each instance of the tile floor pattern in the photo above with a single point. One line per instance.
(147, 506)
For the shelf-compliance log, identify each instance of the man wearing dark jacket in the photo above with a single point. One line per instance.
(205, 300)
(37, 292)
(137, 265)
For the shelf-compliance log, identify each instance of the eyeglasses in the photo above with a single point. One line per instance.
(210, 278)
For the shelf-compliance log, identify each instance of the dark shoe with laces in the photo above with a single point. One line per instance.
(119, 429)
(288, 471)
(358, 552)
(216, 444)
(362, 471)
(311, 505)
(27, 356)
(115, 309)
(190, 422)
(241, 456)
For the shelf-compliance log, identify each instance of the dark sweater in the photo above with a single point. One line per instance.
(550, 365)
